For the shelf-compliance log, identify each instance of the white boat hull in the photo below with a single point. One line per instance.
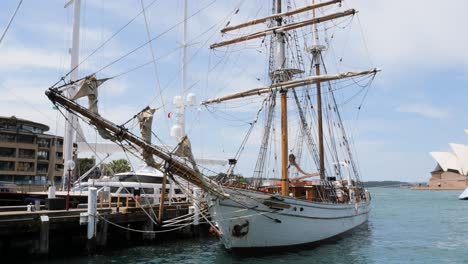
(464, 195)
(263, 227)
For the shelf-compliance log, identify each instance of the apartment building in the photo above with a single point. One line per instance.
(27, 154)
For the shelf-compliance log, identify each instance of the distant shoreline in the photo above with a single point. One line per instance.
(391, 184)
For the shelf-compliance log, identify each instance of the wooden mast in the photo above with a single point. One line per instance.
(281, 86)
(286, 27)
(316, 53)
(283, 106)
(277, 15)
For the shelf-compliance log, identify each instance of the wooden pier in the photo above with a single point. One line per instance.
(37, 232)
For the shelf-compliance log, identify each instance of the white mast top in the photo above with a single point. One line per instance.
(181, 101)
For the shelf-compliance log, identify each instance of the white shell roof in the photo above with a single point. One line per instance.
(461, 151)
(447, 160)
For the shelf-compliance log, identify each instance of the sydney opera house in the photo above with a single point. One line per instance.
(451, 170)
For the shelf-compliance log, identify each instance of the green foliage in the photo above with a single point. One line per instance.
(384, 183)
(234, 177)
(116, 166)
(85, 164)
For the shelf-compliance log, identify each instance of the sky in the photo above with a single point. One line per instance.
(415, 105)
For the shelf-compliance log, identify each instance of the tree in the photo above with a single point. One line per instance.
(85, 164)
(117, 166)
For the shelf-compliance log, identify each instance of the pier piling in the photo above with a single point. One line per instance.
(44, 235)
(149, 226)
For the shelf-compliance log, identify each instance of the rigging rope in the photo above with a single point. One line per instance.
(11, 20)
(154, 38)
(104, 43)
(158, 83)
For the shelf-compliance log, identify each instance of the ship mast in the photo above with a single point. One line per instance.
(281, 59)
(70, 126)
(316, 51)
(182, 101)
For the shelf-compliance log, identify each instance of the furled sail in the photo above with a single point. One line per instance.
(88, 87)
(292, 162)
(145, 118)
(283, 86)
(184, 150)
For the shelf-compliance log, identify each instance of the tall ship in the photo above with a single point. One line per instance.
(319, 193)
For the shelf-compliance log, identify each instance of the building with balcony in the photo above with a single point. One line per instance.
(27, 154)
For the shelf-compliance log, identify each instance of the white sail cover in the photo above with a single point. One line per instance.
(107, 148)
(447, 160)
(461, 151)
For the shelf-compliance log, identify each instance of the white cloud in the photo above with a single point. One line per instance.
(19, 57)
(114, 88)
(418, 33)
(424, 110)
(25, 99)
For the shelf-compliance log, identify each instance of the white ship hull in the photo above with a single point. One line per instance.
(264, 227)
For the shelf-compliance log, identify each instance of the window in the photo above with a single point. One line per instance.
(127, 190)
(7, 165)
(58, 167)
(25, 139)
(140, 178)
(59, 142)
(148, 190)
(57, 180)
(59, 155)
(43, 155)
(22, 178)
(43, 142)
(32, 129)
(8, 152)
(26, 153)
(5, 137)
(25, 166)
(42, 168)
(6, 178)
(160, 190)
(40, 179)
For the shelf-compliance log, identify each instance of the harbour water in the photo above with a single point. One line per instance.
(404, 227)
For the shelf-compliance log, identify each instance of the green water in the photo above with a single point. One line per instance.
(404, 227)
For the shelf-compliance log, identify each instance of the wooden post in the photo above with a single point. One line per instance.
(162, 198)
(101, 233)
(44, 235)
(148, 226)
(101, 198)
